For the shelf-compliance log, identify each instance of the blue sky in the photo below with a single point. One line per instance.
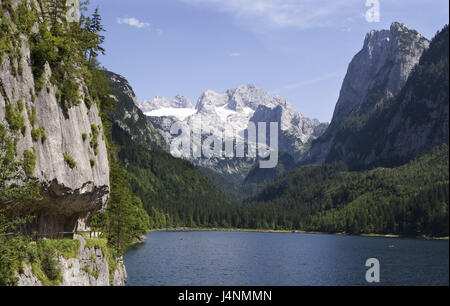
(299, 49)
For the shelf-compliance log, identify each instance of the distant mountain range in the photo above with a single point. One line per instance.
(235, 108)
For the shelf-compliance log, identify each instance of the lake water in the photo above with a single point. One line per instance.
(279, 259)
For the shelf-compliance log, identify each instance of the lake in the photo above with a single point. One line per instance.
(283, 259)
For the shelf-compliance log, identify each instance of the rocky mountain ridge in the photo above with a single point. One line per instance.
(377, 73)
(405, 126)
(128, 115)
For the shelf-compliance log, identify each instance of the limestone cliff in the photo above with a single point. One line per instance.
(382, 67)
(71, 160)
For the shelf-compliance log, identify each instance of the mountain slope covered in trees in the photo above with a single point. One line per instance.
(410, 199)
(173, 191)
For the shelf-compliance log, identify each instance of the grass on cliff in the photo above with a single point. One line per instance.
(46, 266)
(69, 161)
(107, 251)
(41, 256)
(29, 162)
(67, 248)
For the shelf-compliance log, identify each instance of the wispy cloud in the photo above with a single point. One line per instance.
(236, 54)
(261, 15)
(134, 22)
(305, 83)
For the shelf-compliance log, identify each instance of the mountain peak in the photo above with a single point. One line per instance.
(248, 96)
(386, 60)
(398, 35)
(378, 72)
(210, 99)
(160, 99)
(397, 26)
(181, 102)
(283, 102)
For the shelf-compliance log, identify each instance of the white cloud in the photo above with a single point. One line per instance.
(134, 22)
(262, 15)
(236, 54)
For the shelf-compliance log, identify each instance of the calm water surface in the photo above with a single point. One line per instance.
(272, 259)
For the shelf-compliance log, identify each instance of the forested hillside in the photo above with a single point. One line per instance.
(173, 191)
(411, 199)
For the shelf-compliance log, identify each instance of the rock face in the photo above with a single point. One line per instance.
(220, 114)
(378, 72)
(70, 194)
(129, 117)
(27, 278)
(162, 125)
(384, 64)
(89, 268)
(295, 130)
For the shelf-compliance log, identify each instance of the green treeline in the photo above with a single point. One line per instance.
(411, 199)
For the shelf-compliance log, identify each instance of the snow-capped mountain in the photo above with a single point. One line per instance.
(229, 113)
(179, 107)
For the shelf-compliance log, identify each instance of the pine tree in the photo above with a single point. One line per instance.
(95, 27)
(127, 219)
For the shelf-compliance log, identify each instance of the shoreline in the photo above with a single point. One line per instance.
(207, 229)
